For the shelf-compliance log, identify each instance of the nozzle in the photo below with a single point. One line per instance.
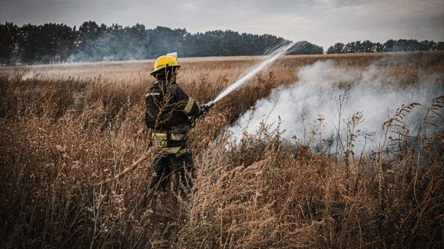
(208, 105)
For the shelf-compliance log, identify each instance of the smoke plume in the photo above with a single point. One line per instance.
(334, 94)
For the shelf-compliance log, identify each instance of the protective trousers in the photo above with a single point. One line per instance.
(180, 163)
(165, 166)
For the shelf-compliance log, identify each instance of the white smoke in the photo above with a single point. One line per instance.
(317, 95)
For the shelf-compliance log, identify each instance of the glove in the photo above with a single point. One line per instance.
(205, 108)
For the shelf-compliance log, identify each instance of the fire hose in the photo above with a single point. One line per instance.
(124, 172)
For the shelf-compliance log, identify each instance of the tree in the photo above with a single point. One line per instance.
(94, 42)
(304, 47)
(389, 46)
(44, 43)
(8, 41)
(368, 47)
(427, 46)
(338, 48)
(31, 43)
(378, 47)
(350, 47)
(87, 36)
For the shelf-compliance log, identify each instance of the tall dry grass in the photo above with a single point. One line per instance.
(60, 137)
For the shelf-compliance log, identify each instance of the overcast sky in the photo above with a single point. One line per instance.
(322, 22)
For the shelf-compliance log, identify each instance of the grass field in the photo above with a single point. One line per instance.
(65, 128)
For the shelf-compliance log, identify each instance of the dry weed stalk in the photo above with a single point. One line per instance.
(60, 137)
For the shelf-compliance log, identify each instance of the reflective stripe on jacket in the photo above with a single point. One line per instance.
(170, 143)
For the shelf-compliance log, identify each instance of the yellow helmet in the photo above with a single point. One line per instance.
(163, 62)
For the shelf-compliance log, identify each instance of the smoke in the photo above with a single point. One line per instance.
(110, 47)
(334, 94)
(137, 43)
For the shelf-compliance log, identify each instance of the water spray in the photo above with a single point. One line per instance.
(269, 59)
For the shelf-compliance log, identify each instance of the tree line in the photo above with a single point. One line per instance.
(401, 45)
(91, 42)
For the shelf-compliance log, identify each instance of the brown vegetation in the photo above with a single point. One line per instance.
(61, 136)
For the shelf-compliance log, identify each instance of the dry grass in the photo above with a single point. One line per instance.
(59, 137)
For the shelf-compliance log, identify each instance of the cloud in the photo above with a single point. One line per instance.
(323, 22)
(190, 6)
(379, 21)
(281, 6)
(279, 25)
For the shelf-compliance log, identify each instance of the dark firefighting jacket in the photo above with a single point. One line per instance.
(167, 111)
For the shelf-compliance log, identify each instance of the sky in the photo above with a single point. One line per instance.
(322, 22)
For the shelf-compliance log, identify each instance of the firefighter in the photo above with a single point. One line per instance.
(168, 109)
